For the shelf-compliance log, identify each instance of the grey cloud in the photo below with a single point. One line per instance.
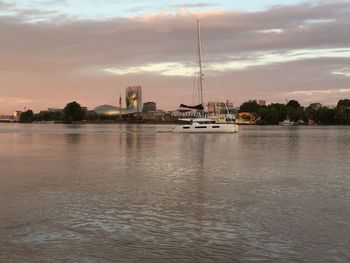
(36, 15)
(165, 7)
(137, 9)
(42, 58)
(139, 40)
(35, 12)
(4, 5)
(197, 5)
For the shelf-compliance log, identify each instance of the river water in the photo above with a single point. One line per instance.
(139, 193)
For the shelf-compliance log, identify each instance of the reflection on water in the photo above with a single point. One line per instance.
(138, 193)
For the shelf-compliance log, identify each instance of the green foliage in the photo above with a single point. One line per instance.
(275, 113)
(344, 103)
(343, 116)
(249, 106)
(293, 104)
(295, 114)
(73, 112)
(26, 117)
(326, 116)
(342, 112)
(49, 116)
(310, 114)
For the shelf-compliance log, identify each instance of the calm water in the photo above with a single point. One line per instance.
(129, 193)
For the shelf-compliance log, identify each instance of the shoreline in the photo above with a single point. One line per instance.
(157, 123)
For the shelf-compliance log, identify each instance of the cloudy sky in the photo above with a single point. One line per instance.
(56, 51)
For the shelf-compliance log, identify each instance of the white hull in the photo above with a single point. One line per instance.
(206, 128)
(287, 123)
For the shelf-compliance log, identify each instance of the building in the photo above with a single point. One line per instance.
(316, 106)
(155, 116)
(16, 115)
(219, 107)
(149, 106)
(133, 97)
(6, 118)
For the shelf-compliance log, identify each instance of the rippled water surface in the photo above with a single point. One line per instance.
(132, 193)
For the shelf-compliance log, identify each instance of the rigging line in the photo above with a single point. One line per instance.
(217, 81)
(194, 85)
(221, 94)
(200, 93)
(195, 78)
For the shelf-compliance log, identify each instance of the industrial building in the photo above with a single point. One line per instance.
(149, 107)
(133, 102)
(219, 107)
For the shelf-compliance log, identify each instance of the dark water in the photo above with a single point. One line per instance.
(142, 194)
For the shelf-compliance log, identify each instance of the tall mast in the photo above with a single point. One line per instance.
(120, 105)
(200, 63)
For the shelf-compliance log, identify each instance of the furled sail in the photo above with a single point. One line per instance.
(197, 107)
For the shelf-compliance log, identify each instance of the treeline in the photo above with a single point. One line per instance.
(293, 111)
(271, 114)
(72, 112)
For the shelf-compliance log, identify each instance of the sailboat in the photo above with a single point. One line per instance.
(201, 124)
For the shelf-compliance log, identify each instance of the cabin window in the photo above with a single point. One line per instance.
(216, 126)
(185, 127)
(201, 127)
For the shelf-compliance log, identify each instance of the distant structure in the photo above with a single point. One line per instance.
(219, 107)
(6, 118)
(16, 115)
(149, 107)
(133, 98)
(316, 106)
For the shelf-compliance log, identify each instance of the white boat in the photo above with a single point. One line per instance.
(204, 125)
(200, 124)
(287, 123)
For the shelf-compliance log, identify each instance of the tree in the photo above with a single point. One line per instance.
(293, 104)
(272, 114)
(250, 106)
(275, 113)
(310, 113)
(344, 103)
(342, 115)
(73, 112)
(48, 116)
(278, 113)
(326, 116)
(26, 117)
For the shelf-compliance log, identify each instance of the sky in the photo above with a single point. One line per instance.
(56, 51)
